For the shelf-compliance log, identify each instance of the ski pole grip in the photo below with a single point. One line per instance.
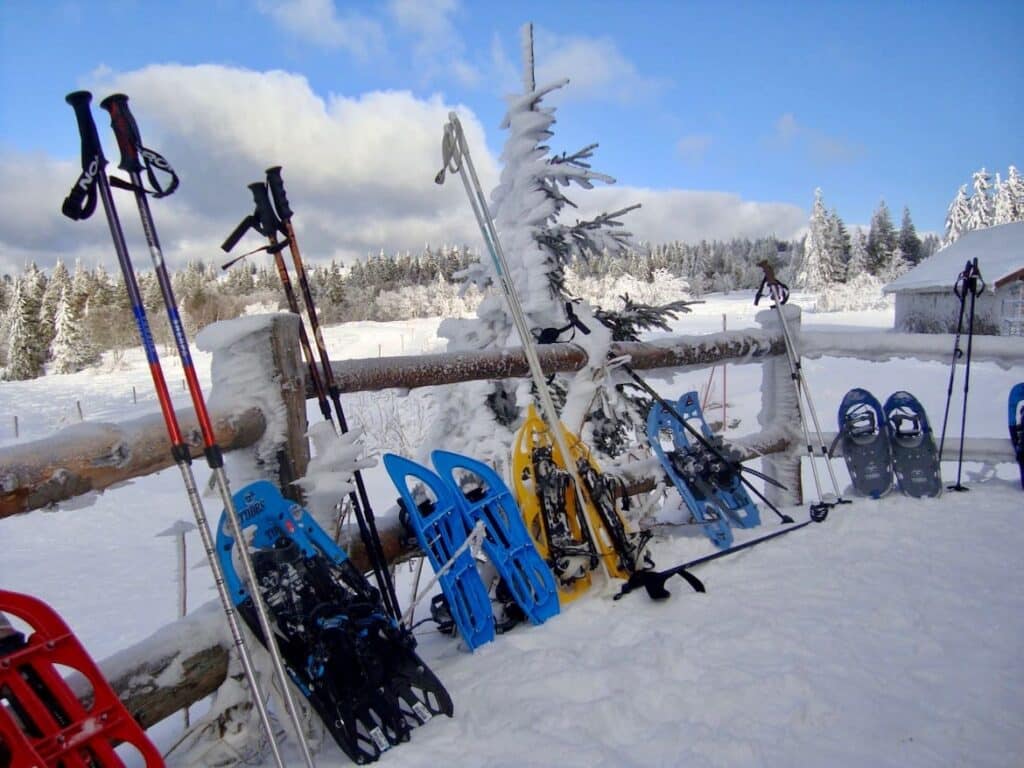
(276, 184)
(126, 131)
(235, 236)
(266, 219)
(79, 101)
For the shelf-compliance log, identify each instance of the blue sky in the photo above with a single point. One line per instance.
(721, 118)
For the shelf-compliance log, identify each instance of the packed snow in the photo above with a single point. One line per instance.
(887, 635)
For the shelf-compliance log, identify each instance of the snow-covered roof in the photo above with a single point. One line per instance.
(999, 250)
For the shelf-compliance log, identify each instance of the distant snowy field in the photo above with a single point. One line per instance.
(890, 635)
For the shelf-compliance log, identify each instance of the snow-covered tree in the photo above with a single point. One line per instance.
(980, 214)
(881, 239)
(816, 271)
(71, 349)
(908, 240)
(1004, 207)
(894, 266)
(839, 245)
(527, 205)
(60, 281)
(1015, 185)
(23, 359)
(858, 263)
(957, 216)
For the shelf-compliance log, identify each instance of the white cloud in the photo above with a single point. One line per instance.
(596, 69)
(692, 148)
(359, 171)
(823, 149)
(692, 215)
(318, 22)
(438, 49)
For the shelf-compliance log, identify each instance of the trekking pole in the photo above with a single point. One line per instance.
(974, 285)
(127, 133)
(266, 222)
(959, 287)
(80, 205)
(456, 159)
(779, 295)
(363, 511)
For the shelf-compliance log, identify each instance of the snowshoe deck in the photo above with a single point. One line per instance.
(728, 488)
(507, 544)
(441, 529)
(354, 664)
(915, 458)
(685, 475)
(864, 438)
(42, 721)
(1015, 406)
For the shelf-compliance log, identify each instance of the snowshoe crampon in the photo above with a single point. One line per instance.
(864, 438)
(356, 666)
(42, 721)
(915, 458)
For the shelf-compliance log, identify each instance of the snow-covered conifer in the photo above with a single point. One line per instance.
(23, 360)
(1015, 183)
(980, 212)
(72, 351)
(858, 263)
(908, 240)
(957, 216)
(1004, 208)
(816, 270)
(881, 239)
(60, 281)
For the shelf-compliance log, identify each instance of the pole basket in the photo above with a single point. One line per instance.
(42, 721)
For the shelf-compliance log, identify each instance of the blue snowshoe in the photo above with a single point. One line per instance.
(687, 475)
(1016, 424)
(441, 529)
(724, 478)
(915, 458)
(354, 663)
(864, 437)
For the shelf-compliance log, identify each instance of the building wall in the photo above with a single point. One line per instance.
(938, 311)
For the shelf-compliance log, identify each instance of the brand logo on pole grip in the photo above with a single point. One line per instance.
(88, 177)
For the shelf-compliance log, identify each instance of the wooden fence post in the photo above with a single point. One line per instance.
(779, 412)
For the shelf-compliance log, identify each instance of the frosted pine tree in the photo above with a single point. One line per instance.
(23, 331)
(816, 269)
(71, 349)
(858, 263)
(839, 246)
(957, 216)
(881, 239)
(1015, 184)
(980, 213)
(894, 266)
(527, 205)
(1004, 209)
(60, 281)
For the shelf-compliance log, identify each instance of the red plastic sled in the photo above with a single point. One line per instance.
(42, 723)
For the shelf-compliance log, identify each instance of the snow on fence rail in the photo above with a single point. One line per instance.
(161, 674)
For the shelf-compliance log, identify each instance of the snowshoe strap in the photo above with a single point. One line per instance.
(553, 335)
(473, 541)
(80, 203)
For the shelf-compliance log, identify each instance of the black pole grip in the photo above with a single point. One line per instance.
(236, 235)
(266, 220)
(91, 148)
(81, 202)
(126, 131)
(276, 184)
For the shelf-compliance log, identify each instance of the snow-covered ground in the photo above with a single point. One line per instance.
(888, 635)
